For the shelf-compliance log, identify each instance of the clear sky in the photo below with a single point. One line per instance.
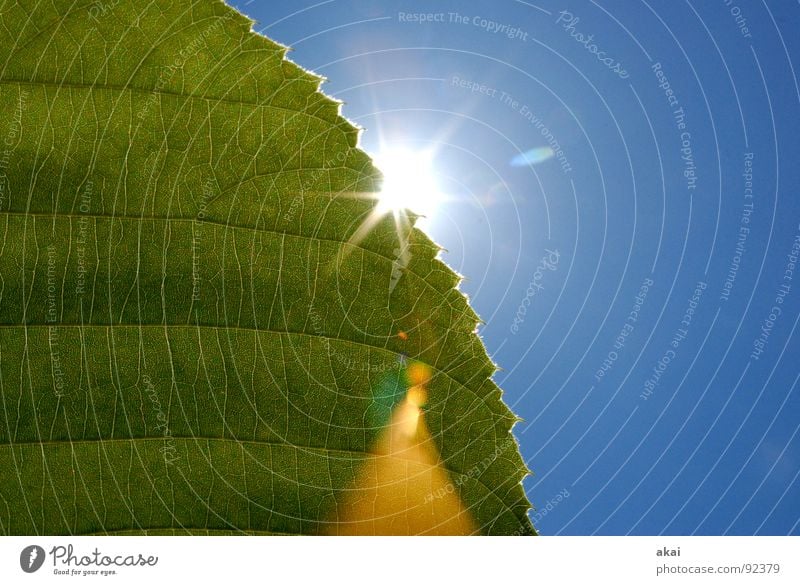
(637, 279)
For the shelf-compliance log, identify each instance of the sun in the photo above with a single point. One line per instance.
(409, 185)
(409, 182)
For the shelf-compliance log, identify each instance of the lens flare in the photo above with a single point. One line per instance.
(533, 156)
(403, 487)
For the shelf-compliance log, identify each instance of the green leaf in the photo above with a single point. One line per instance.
(191, 337)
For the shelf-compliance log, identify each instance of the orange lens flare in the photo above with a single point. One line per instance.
(418, 374)
(417, 396)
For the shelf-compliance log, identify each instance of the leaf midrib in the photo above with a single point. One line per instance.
(232, 226)
(434, 368)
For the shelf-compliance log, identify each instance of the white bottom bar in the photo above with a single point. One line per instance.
(402, 561)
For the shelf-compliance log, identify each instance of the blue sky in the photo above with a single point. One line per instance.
(638, 285)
